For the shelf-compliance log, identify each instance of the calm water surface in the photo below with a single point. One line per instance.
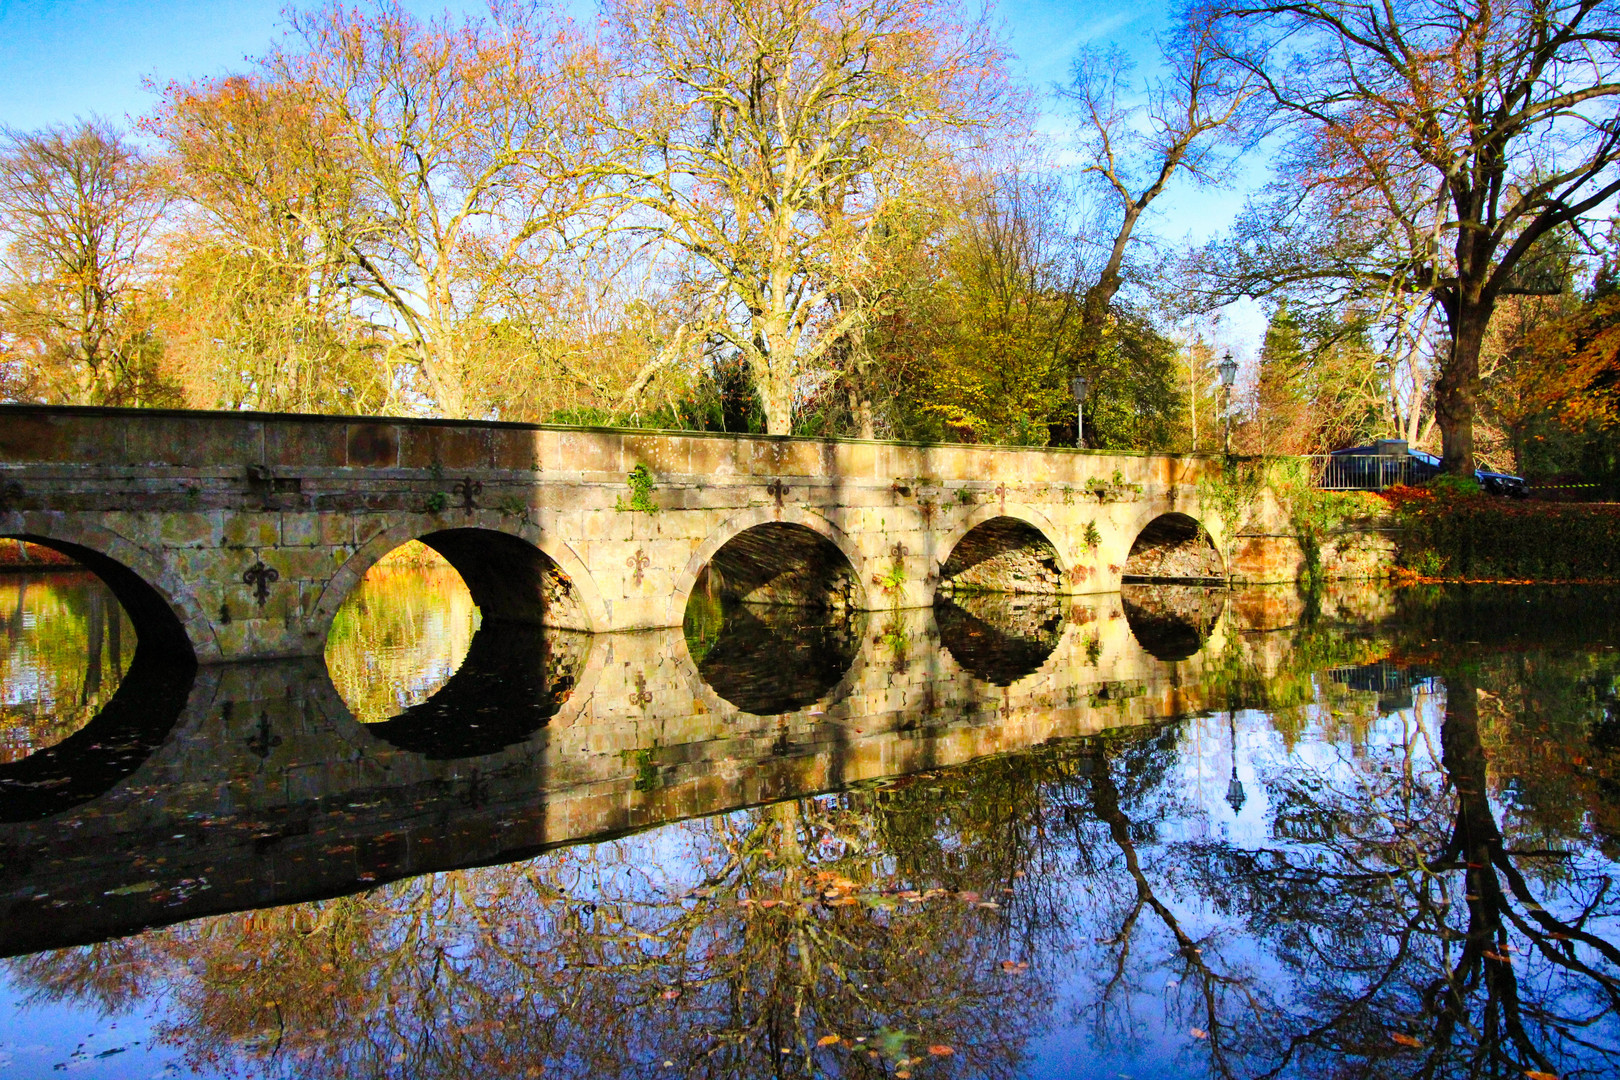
(1170, 833)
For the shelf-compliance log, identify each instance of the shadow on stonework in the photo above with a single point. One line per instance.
(770, 659)
(88, 763)
(514, 679)
(999, 637)
(1172, 622)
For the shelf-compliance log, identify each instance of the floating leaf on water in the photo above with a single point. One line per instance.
(1404, 1039)
(828, 1040)
(132, 890)
(941, 1050)
(1199, 1033)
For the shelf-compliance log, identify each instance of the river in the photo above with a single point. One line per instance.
(1174, 832)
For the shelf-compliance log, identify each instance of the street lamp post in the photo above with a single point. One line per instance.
(1077, 386)
(1228, 371)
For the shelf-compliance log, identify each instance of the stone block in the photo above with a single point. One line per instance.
(304, 563)
(714, 457)
(335, 530)
(251, 530)
(449, 448)
(190, 530)
(853, 460)
(295, 444)
(60, 437)
(584, 452)
(300, 529)
(372, 445)
(662, 454)
(514, 448)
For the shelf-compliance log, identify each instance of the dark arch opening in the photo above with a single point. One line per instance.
(1171, 622)
(509, 578)
(135, 714)
(441, 649)
(779, 564)
(999, 638)
(157, 628)
(1173, 548)
(774, 623)
(1002, 555)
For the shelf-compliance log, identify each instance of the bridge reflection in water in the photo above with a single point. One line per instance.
(225, 788)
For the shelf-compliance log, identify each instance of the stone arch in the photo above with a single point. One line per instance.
(1004, 530)
(740, 523)
(507, 571)
(168, 620)
(1174, 547)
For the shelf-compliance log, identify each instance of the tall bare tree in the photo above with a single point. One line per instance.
(1436, 145)
(78, 209)
(1137, 137)
(759, 142)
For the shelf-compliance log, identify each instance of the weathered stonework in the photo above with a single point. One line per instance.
(238, 535)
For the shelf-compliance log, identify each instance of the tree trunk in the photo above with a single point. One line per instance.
(773, 375)
(1457, 390)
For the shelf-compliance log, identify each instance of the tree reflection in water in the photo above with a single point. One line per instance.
(1424, 891)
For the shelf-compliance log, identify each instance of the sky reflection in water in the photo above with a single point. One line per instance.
(1392, 856)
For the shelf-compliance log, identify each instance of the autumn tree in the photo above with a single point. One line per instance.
(758, 145)
(462, 146)
(79, 208)
(1431, 146)
(260, 307)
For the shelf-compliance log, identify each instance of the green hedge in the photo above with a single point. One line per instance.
(1481, 537)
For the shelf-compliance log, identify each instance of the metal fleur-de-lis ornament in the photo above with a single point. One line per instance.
(642, 697)
(1001, 493)
(638, 563)
(778, 491)
(469, 490)
(260, 577)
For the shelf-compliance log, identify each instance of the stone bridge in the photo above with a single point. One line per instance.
(237, 536)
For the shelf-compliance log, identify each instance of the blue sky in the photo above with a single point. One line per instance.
(67, 58)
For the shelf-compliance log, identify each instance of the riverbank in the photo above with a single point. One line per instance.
(19, 555)
(1445, 536)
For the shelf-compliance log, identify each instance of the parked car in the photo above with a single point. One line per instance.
(1377, 466)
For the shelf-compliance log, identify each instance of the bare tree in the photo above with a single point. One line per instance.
(78, 207)
(1436, 146)
(1138, 137)
(760, 142)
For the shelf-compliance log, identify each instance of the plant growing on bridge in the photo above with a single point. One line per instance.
(436, 502)
(1313, 513)
(1092, 537)
(640, 480)
(1114, 489)
(1230, 495)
